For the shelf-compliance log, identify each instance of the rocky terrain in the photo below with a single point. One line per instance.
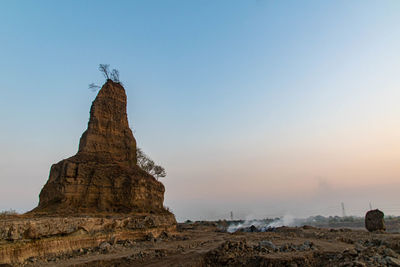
(208, 244)
(98, 196)
(29, 237)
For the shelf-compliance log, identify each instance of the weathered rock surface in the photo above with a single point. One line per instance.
(96, 197)
(44, 227)
(108, 134)
(103, 175)
(374, 221)
(24, 238)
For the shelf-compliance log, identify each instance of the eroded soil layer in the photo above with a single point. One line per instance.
(22, 239)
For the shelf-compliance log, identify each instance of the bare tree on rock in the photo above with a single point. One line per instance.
(115, 75)
(94, 87)
(109, 75)
(105, 70)
(148, 165)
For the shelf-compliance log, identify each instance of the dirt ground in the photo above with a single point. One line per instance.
(207, 244)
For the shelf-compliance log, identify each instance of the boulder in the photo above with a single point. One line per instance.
(374, 221)
(253, 229)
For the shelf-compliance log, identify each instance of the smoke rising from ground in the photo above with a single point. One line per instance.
(263, 225)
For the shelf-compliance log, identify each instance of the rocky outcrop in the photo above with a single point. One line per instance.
(99, 195)
(103, 175)
(23, 238)
(108, 134)
(45, 227)
(374, 221)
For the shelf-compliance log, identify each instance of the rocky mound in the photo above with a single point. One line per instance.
(103, 175)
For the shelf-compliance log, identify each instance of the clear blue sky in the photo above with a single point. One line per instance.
(252, 106)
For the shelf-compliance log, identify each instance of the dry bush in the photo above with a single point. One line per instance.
(8, 213)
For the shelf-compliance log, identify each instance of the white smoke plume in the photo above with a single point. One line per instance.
(261, 225)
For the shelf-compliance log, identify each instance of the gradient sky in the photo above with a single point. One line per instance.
(263, 108)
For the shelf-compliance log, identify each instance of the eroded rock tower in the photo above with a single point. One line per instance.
(103, 175)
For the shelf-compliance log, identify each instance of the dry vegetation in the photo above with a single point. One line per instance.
(8, 214)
